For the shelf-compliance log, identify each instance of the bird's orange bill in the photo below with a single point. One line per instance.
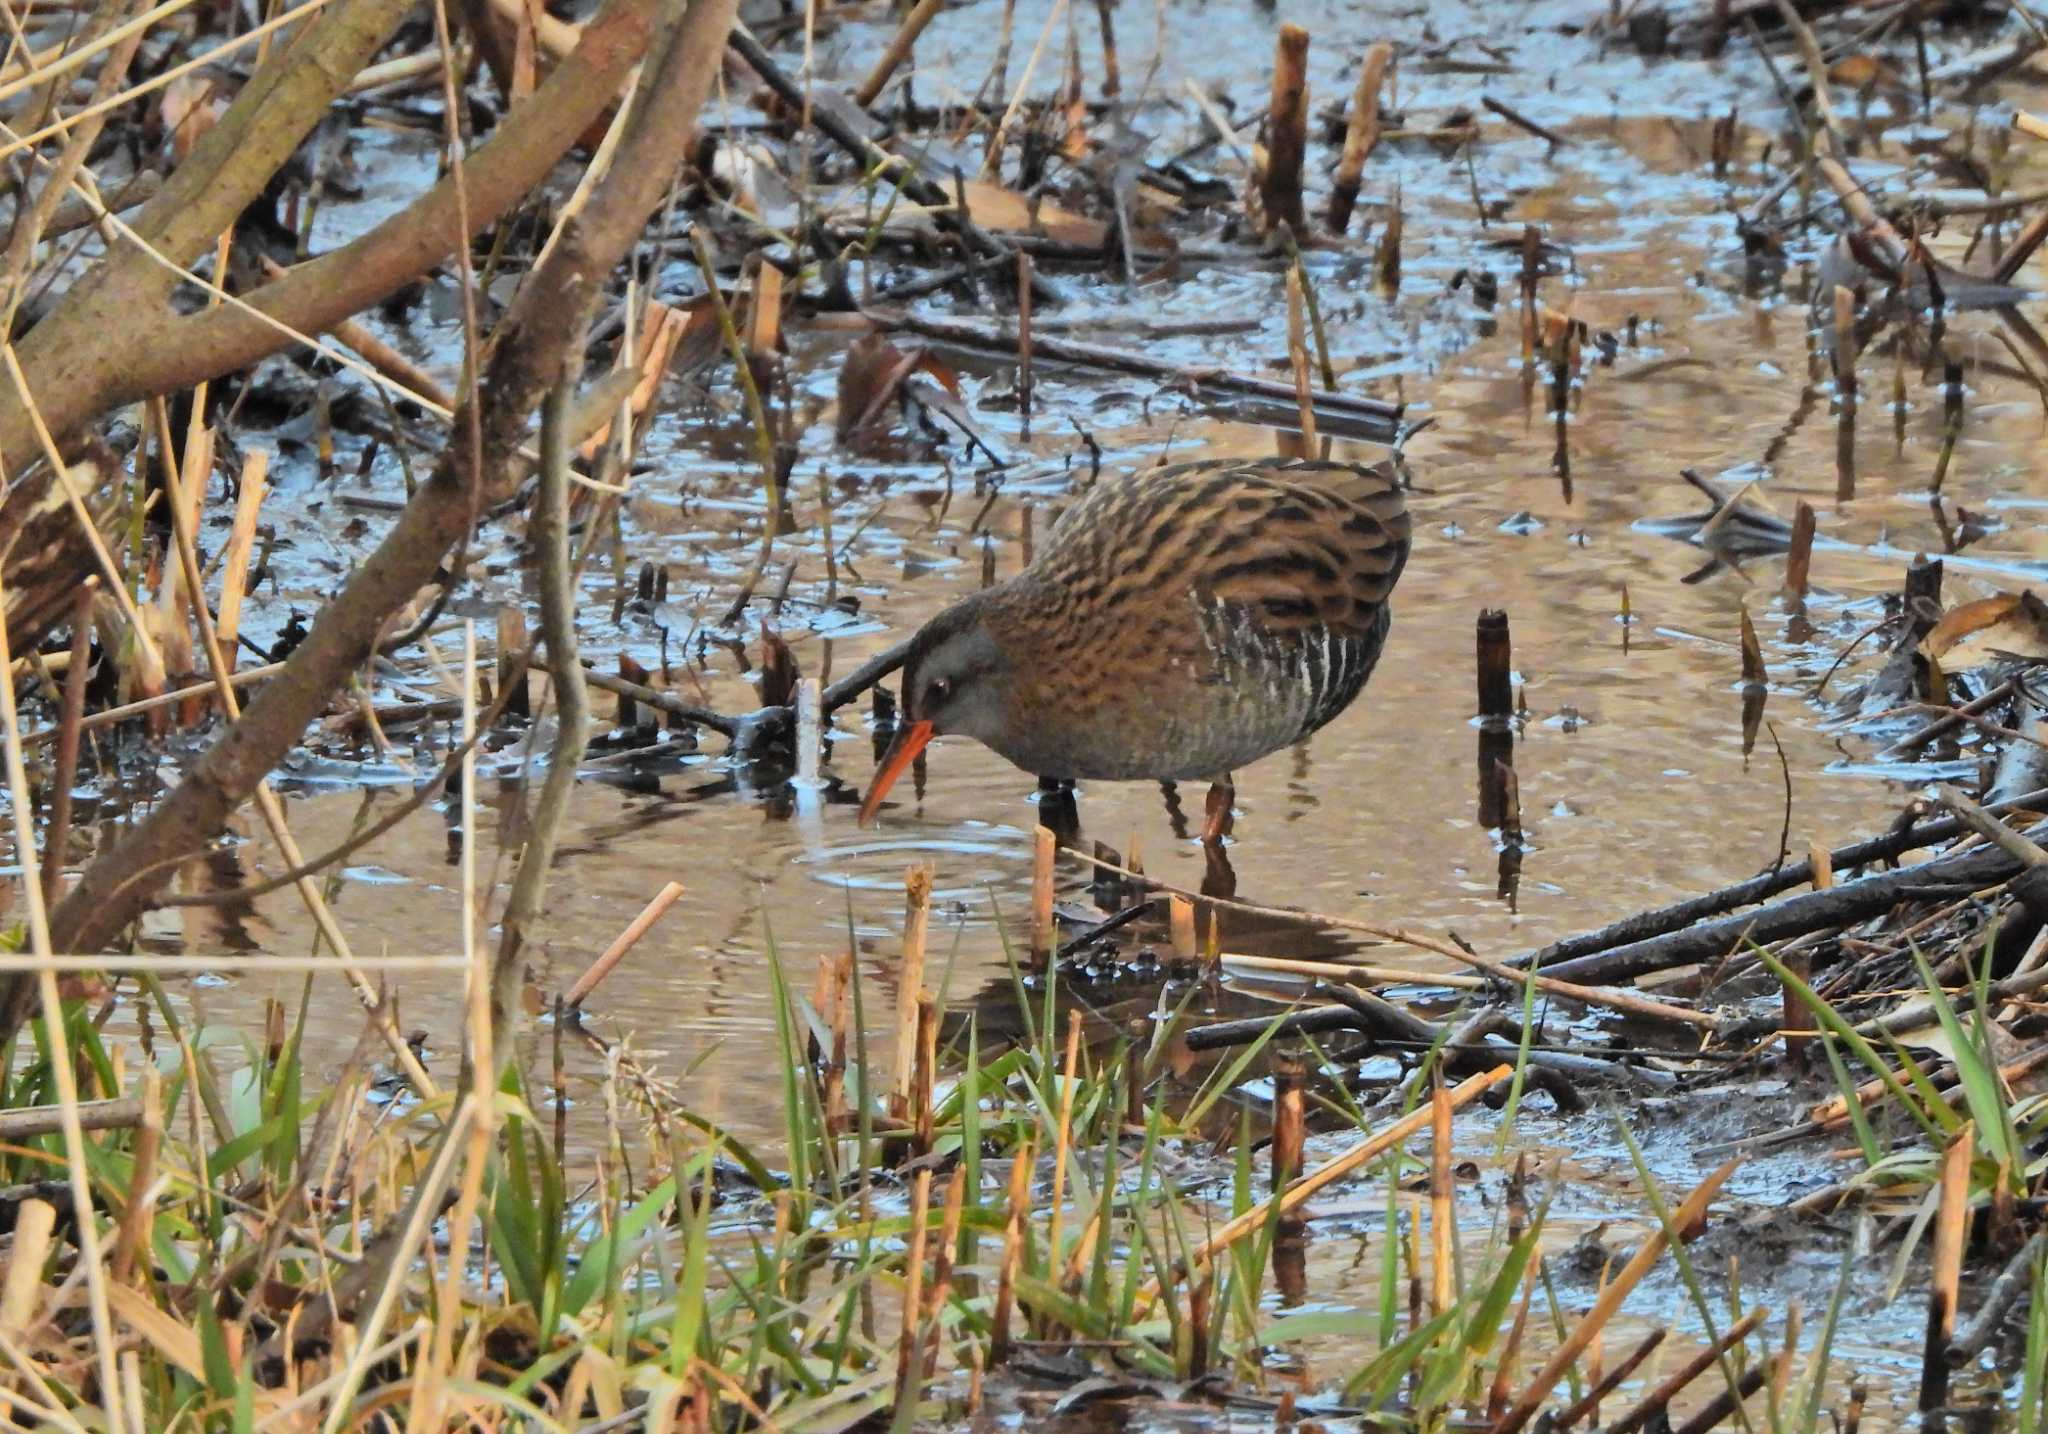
(895, 762)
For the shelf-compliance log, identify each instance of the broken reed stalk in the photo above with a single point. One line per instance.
(1951, 1230)
(57, 834)
(1297, 355)
(1799, 559)
(923, 1108)
(1180, 927)
(1495, 657)
(1290, 1122)
(1286, 133)
(942, 1269)
(1112, 77)
(1951, 419)
(512, 671)
(917, 913)
(1386, 258)
(35, 1221)
(910, 1338)
(899, 48)
(1063, 1136)
(1361, 133)
(1015, 1233)
(1845, 394)
(624, 942)
(1685, 1218)
(1499, 1391)
(234, 563)
(810, 733)
(1044, 847)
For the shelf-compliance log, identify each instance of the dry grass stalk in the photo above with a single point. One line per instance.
(625, 941)
(899, 48)
(1290, 1123)
(917, 912)
(1064, 1135)
(84, 1210)
(911, 1338)
(1361, 133)
(1303, 1189)
(1443, 1234)
(111, 715)
(942, 1268)
(1951, 1232)
(1022, 1163)
(1688, 1214)
(1297, 355)
(234, 562)
(1591, 995)
(1589, 1403)
(1799, 561)
(1044, 847)
(1286, 133)
(1359, 975)
(34, 1222)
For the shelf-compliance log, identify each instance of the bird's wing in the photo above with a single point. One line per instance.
(1308, 544)
(1295, 544)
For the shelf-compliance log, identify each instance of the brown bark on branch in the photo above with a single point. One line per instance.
(76, 358)
(158, 353)
(526, 357)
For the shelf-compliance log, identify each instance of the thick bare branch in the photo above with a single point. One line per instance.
(527, 354)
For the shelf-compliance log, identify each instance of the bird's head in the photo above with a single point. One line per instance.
(954, 681)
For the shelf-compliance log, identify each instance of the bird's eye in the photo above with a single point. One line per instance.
(940, 689)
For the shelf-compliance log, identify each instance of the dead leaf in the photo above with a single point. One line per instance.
(1002, 210)
(190, 106)
(869, 380)
(778, 669)
(2006, 626)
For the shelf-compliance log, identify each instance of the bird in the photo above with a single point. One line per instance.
(1177, 624)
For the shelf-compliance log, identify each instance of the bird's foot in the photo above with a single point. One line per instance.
(1216, 825)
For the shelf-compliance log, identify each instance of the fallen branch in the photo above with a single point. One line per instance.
(1342, 414)
(1841, 905)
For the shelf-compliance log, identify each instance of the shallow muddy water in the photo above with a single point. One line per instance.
(1635, 787)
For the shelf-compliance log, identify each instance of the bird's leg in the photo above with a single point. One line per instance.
(1221, 796)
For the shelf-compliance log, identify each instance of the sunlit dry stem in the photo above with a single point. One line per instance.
(623, 942)
(1442, 1232)
(1688, 1214)
(1951, 1233)
(1361, 133)
(1286, 132)
(899, 48)
(63, 1072)
(917, 915)
(1044, 847)
(1022, 1162)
